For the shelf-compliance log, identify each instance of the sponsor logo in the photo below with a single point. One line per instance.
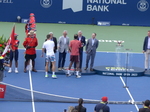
(91, 5)
(1, 89)
(142, 5)
(6, 1)
(46, 3)
(103, 23)
(75, 5)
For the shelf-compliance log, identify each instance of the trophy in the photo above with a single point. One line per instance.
(119, 54)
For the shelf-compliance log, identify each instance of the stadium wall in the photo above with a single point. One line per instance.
(117, 12)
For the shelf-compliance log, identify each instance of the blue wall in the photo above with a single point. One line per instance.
(118, 12)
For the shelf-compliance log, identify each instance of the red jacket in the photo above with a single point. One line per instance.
(14, 44)
(30, 44)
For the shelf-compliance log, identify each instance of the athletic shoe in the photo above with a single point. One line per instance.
(59, 69)
(68, 74)
(9, 71)
(78, 76)
(16, 71)
(46, 75)
(54, 76)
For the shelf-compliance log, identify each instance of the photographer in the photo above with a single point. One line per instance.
(2, 64)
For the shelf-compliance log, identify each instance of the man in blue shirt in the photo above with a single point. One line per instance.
(102, 105)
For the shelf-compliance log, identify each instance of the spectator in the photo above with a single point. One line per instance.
(146, 105)
(71, 109)
(80, 107)
(102, 105)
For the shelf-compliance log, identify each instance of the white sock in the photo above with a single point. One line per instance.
(77, 72)
(68, 71)
(16, 68)
(10, 68)
(46, 73)
(53, 73)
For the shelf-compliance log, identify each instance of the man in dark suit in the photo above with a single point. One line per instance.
(146, 50)
(55, 42)
(81, 38)
(91, 46)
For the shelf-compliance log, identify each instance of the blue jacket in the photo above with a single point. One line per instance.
(83, 42)
(145, 44)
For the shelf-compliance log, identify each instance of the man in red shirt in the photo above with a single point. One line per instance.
(30, 43)
(14, 54)
(74, 56)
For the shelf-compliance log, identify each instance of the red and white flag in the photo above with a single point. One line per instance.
(10, 41)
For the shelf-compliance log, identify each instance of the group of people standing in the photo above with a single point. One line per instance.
(50, 46)
(74, 47)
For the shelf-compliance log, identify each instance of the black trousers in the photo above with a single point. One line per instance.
(62, 59)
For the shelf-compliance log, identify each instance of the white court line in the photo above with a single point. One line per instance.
(31, 87)
(132, 100)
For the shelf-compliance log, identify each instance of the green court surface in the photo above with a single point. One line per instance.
(132, 35)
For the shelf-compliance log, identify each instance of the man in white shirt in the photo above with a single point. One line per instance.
(50, 56)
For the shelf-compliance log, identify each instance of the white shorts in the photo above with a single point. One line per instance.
(50, 58)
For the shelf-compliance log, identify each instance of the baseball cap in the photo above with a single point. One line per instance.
(15, 34)
(104, 99)
(31, 14)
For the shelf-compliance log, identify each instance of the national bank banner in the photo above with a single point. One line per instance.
(117, 12)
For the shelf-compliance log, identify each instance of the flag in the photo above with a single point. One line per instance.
(10, 41)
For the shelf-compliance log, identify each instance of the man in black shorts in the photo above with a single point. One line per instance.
(30, 44)
(74, 54)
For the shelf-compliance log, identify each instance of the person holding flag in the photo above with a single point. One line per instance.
(14, 53)
(30, 44)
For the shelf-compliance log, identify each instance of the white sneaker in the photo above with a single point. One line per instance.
(78, 76)
(68, 74)
(16, 70)
(46, 75)
(10, 70)
(54, 76)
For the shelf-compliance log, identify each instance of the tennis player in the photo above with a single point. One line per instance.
(50, 55)
(74, 55)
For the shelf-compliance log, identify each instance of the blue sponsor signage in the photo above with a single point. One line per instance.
(117, 12)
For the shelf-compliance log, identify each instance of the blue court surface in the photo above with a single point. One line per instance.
(91, 87)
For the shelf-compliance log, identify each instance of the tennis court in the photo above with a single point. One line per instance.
(69, 89)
